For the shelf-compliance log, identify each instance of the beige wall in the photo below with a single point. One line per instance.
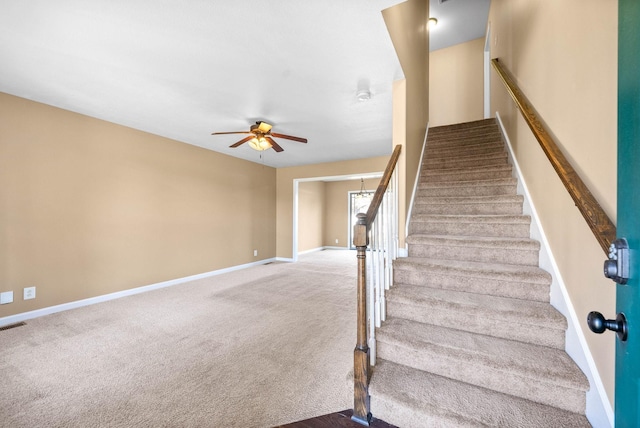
(406, 23)
(311, 210)
(285, 185)
(456, 83)
(336, 213)
(564, 57)
(89, 208)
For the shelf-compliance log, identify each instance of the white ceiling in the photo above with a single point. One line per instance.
(185, 69)
(458, 21)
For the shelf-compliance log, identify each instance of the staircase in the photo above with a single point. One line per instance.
(470, 338)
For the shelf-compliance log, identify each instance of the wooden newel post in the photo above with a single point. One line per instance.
(361, 366)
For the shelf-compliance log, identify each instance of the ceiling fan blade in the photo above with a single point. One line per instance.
(235, 132)
(289, 137)
(275, 145)
(244, 140)
(264, 127)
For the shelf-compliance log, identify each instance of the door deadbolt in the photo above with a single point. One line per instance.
(617, 267)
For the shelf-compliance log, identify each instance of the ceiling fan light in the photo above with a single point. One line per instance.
(259, 144)
(264, 143)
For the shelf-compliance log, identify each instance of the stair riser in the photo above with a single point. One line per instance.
(470, 209)
(462, 145)
(452, 141)
(494, 287)
(475, 254)
(504, 230)
(481, 123)
(396, 414)
(496, 378)
(482, 407)
(478, 320)
(465, 176)
(470, 190)
(462, 162)
(472, 135)
(466, 151)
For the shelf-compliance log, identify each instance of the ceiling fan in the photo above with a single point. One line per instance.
(260, 137)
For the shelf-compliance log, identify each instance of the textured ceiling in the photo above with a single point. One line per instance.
(185, 69)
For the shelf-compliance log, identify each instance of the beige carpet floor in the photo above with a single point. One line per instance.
(259, 347)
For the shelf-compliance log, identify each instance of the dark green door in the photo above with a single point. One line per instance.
(627, 400)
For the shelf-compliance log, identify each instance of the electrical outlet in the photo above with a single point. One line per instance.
(255, 253)
(29, 293)
(336, 240)
(6, 297)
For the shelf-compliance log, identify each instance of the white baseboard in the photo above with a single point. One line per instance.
(599, 410)
(415, 183)
(11, 319)
(313, 250)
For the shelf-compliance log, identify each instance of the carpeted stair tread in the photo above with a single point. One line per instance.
(472, 137)
(467, 150)
(482, 129)
(475, 241)
(461, 144)
(448, 162)
(472, 183)
(524, 282)
(488, 173)
(538, 373)
(493, 271)
(462, 128)
(498, 186)
(540, 363)
(442, 159)
(408, 397)
(521, 251)
(471, 168)
(522, 320)
(516, 226)
(519, 219)
(473, 130)
(464, 144)
(465, 125)
(470, 205)
(476, 135)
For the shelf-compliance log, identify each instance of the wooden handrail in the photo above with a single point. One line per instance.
(361, 361)
(382, 186)
(598, 221)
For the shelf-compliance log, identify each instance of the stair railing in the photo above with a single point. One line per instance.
(601, 226)
(375, 233)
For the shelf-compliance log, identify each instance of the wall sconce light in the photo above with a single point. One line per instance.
(432, 23)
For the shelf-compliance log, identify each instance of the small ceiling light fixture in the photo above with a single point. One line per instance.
(432, 23)
(363, 95)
